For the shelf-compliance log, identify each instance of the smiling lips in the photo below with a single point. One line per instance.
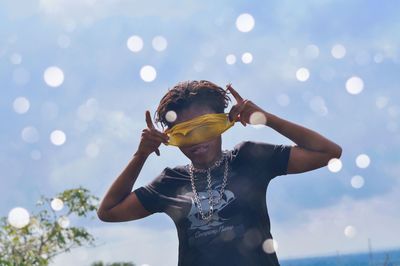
(199, 148)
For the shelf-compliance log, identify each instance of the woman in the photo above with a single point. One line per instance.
(217, 202)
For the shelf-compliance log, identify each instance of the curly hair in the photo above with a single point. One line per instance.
(185, 93)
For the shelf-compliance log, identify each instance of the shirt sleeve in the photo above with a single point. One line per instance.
(270, 159)
(151, 194)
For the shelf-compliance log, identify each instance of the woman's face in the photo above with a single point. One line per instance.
(203, 154)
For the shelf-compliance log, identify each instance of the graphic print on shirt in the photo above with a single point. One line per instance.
(220, 224)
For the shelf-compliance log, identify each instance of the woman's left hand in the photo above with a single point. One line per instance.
(244, 109)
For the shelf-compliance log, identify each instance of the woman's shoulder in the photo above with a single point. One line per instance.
(233, 153)
(178, 170)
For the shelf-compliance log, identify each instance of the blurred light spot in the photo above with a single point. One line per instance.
(148, 73)
(21, 105)
(327, 73)
(30, 134)
(245, 22)
(134, 43)
(57, 204)
(338, 51)
(228, 235)
(53, 76)
(92, 150)
(317, 104)
(88, 110)
(362, 58)
(18, 217)
(49, 110)
(381, 102)
(21, 76)
(257, 118)
(159, 43)
(252, 238)
(230, 59)
(378, 58)
(63, 41)
(247, 58)
(36, 155)
(334, 165)
(283, 99)
(171, 116)
(302, 74)
(354, 85)
(350, 231)
(293, 52)
(357, 181)
(15, 59)
(270, 246)
(44, 256)
(363, 161)
(199, 66)
(57, 137)
(312, 51)
(63, 221)
(389, 50)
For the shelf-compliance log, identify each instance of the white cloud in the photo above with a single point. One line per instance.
(92, 10)
(126, 242)
(321, 231)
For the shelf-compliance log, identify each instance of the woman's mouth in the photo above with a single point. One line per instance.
(199, 148)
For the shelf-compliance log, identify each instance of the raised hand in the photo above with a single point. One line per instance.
(151, 138)
(243, 109)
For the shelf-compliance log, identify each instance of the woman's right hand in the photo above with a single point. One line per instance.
(151, 138)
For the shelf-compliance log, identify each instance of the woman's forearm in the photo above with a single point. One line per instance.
(123, 185)
(303, 137)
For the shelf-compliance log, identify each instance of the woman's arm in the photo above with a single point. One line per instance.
(120, 203)
(312, 151)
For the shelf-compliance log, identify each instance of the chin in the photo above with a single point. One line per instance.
(202, 152)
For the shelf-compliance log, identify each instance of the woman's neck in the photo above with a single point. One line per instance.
(210, 163)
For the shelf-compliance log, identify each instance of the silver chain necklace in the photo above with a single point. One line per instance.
(210, 197)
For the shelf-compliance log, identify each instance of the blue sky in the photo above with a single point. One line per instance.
(99, 107)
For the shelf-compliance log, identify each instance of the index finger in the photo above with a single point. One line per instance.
(235, 94)
(148, 120)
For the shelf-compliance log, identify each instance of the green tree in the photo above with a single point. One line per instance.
(48, 233)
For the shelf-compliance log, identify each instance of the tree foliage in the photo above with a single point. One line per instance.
(48, 232)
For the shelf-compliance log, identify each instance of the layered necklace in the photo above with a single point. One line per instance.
(211, 202)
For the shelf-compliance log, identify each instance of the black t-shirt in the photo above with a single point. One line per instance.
(240, 224)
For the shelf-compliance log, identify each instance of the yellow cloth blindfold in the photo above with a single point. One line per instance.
(199, 129)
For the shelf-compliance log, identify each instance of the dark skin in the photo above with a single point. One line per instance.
(311, 151)
(213, 149)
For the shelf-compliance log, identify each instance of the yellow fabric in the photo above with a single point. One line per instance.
(199, 129)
